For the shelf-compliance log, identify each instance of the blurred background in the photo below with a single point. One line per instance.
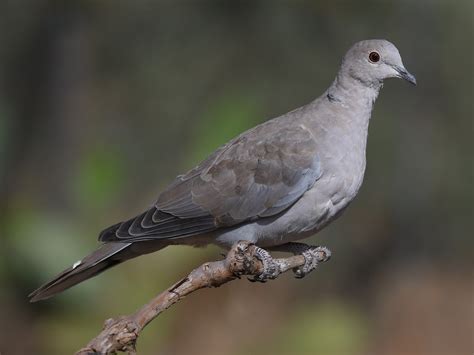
(103, 103)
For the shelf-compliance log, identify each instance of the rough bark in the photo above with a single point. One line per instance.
(121, 334)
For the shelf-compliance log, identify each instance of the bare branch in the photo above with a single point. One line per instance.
(121, 334)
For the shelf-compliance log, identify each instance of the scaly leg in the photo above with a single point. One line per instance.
(271, 267)
(313, 255)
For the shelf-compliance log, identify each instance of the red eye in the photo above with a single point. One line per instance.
(374, 57)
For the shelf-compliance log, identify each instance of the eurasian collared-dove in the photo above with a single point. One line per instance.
(278, 182)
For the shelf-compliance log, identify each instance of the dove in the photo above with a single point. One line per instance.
(281, 181)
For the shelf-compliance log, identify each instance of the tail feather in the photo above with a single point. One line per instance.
(103, 258)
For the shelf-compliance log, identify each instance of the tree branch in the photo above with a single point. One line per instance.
(121, 334)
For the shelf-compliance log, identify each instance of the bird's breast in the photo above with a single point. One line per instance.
(343, 164)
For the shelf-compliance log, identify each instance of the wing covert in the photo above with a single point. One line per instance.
(258, 174)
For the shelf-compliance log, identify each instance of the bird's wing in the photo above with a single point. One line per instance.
(258, 174)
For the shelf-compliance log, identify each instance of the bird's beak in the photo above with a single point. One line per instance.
(404, 74)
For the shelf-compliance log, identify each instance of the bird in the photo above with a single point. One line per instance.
(281, 181)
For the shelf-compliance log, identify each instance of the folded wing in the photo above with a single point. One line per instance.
(258, 174)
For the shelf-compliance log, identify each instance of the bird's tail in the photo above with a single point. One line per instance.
(108, 255)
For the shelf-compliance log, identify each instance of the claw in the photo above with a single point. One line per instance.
(313, 256)
(299, 273)
(270, 268)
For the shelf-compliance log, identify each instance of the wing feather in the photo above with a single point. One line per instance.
(258, 174)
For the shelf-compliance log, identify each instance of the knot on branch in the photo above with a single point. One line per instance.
(121, 334)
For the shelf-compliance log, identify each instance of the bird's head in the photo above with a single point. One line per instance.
(372, 61)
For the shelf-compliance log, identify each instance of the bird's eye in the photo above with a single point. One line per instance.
(374, 57)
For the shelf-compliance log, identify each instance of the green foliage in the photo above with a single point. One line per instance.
(327, 328)
(332, 327)
(49, 236)
(226, 118)
(99, 178)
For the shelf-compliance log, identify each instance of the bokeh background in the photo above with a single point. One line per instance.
(102, 103)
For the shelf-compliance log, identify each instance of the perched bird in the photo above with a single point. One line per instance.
(281, 181)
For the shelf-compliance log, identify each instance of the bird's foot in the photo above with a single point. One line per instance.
(271, 267)
(313, 256)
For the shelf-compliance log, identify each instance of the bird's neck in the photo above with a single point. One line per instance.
(353, 101)
(354, 95)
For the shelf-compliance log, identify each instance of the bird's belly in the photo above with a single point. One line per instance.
(309, 215)
(313, 211)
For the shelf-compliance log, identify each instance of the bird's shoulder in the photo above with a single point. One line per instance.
(259, 173)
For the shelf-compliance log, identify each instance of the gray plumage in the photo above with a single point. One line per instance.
(280, 181)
